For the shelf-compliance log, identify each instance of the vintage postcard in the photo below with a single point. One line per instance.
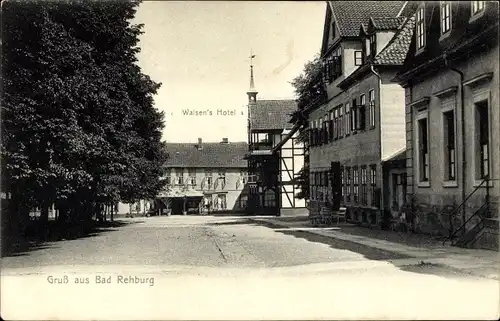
(250, 160)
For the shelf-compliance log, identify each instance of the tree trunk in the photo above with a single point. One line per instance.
(112, 212)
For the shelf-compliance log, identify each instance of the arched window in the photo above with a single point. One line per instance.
(269, 198)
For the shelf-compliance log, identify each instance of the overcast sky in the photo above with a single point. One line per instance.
(199, 51)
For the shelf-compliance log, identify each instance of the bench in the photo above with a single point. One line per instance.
(327, 217)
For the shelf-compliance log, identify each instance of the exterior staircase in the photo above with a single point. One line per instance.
(485, 234)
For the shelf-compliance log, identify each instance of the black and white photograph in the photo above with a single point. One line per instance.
(249, 160)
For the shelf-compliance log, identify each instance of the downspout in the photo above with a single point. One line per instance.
(382, 202)
(462, 116)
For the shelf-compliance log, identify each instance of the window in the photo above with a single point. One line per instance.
(477, 6)
(347, 119)
(420, 28)
(222, 178)
(333, 65)
(371, 97)
(221, 201)
(180, 178)
(363, 195)
(354, 116)
(358, 58)
(168, 174)
(362, 112)
(348, 184)
(367, 48)
(320, 133)
(269, 198)
(325, 129)
(192, 176)
(355, 175)
(482, 138)
(449, 145)
(342, 180)
(341, 123)
(373, 185)
(445, 16)
(311, 184)
(208, 177)
(243, 201)
(332, 125)
(333, 30)
(373, 45)
(423, 150)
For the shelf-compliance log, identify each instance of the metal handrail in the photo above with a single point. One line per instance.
(465, 223)
(485, 180)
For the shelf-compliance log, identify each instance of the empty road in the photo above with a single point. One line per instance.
(198, 267)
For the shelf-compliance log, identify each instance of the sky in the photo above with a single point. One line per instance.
(199, 51)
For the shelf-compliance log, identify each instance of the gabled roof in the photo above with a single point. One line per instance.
(272, 114)
(349, 15)
(393, 54)
(386, 23)
(223, 155)
(395, 51)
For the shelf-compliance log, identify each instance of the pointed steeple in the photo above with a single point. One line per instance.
(252, 92)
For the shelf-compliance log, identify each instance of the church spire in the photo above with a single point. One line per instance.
(252, 92)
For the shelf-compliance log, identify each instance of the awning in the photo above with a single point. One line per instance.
(179, 193)
(263, 152)
(398, 155)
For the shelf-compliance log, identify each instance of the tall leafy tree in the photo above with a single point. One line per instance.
(79, 126)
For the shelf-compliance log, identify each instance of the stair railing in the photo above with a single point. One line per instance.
(484, 181)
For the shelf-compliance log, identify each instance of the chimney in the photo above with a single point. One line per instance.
(224, 140)
(199, 146)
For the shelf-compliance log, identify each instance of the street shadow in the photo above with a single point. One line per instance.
(238, 221)
(437, 269)
(370, 253)
(38, 236)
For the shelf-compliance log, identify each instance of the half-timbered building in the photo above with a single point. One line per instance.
(275, 156)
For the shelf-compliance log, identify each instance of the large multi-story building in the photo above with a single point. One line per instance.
(357, 140)
(275, 156)
(215, 171)
(201, 177)
(451, 83)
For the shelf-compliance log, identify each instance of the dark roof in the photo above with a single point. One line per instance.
(272, 114)
(387, 23)
(211, 155)
(351, 14)
(395, 51)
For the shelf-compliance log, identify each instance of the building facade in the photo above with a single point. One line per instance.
(357, 132)
(451, 86)
(275, 156)
(216, 172)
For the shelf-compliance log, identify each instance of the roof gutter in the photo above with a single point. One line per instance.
(372, 69)
(462, 115)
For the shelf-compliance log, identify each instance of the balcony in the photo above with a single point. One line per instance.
(261, 145)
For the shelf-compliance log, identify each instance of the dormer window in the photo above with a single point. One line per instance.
(477, 7)
(420, 28)
(367, 48)
(373, 45)
(358, 58)
(445, 16)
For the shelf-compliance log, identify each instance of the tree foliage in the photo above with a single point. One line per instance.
(310, 91)
(79, 126)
